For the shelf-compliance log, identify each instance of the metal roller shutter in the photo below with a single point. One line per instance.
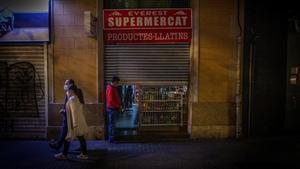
(147, 63)
(22, 91)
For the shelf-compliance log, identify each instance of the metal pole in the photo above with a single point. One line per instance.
(251, 72)
(239, 48)
(238, 89)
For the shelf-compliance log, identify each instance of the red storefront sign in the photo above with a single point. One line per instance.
(147, 26)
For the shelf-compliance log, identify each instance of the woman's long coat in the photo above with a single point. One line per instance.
(77, 125)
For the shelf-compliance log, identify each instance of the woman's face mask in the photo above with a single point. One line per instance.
(66, 87)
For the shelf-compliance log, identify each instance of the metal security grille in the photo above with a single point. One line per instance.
(22, 91)
(147, 63)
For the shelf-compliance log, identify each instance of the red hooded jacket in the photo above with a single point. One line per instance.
(113, 100)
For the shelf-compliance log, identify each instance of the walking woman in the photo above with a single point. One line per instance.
(77, 126)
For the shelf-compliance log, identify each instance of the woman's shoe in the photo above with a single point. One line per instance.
(83, 156)
(60, 156)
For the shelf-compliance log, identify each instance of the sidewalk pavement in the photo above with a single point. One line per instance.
(188, 154)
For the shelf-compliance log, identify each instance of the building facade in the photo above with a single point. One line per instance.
(214, 56)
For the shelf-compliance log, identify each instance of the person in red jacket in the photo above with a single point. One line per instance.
(113, 105)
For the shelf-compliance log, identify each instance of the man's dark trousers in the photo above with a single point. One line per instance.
(112, 114)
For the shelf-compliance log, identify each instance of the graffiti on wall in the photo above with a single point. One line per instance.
(21, 90)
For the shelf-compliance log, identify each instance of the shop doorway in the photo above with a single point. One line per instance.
(153, 65)
(152, 109)
(292, 115)
(271, 70)
(127, 121)
(264, 70)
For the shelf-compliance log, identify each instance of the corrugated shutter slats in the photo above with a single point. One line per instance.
(144, 63)
(22, 81)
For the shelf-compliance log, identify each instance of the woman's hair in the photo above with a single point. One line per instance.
(72, 87)
(71, 82)
(80, 95)
(77, 92)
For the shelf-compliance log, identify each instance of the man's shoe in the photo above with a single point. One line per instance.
(83, 156)
(60, 156)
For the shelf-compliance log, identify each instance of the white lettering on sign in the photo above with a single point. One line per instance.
(147, 36)
(147, 25)
(147, 21)
(147, 13)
